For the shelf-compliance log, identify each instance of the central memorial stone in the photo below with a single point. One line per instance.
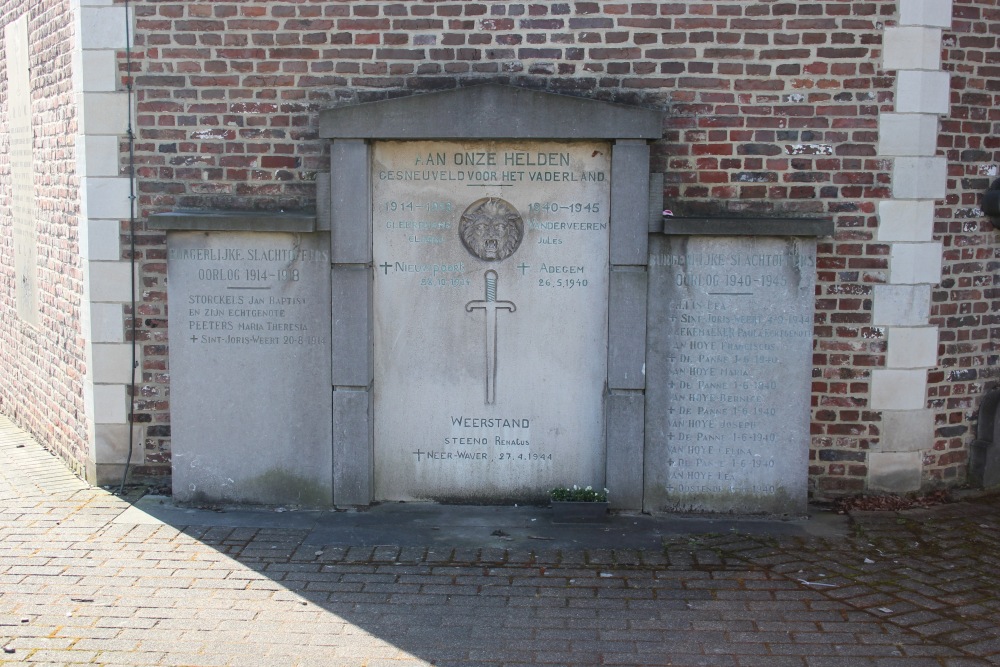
(490, 314)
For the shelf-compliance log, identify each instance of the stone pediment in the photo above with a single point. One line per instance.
(490, 111)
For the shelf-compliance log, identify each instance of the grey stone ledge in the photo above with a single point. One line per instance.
(746, 226)
(234, 221)
(490, 111)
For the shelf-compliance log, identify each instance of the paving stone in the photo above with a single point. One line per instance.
(166, 595)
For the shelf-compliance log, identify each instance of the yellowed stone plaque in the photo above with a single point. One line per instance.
(490, 310)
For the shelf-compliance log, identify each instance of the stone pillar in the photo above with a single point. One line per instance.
(625, 407)
(103, 113)
(902, 305)
(351, 302)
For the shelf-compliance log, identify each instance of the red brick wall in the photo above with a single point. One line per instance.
(772, 108)
(966, 307)
(42, 370)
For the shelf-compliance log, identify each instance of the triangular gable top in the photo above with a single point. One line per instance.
(490, 112)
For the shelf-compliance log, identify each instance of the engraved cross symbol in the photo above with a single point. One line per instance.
(491, 306)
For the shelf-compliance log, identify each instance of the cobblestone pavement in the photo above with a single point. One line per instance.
(80, 585)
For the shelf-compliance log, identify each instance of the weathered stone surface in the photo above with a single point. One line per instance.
(490, 112)
(625, 423)
(22, 165)
(250, 367)
(490, 318)
(894, 472)
(728, 374)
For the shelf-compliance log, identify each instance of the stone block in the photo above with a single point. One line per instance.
(627, 330)
(106, 323)
(912, 347)
(353, 458)
(907, 134)
(103, 113)
(920, 91)
(111, 444)
(901, 305)
(937, 13)
(906, 220)
(351, 302)
(894, 472)
(906, 430)
(920, 177)
(629, 202)
(911, 48)
(110, 404)
(111, 363)
(350, 203)
(103, 240)
(625, 417)
(102, 27)
(98, 71)
(110, 281)
(98, 156)
(106, 197)
(915, 263)
(896, 389)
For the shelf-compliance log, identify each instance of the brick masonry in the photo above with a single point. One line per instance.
(966, 304)
(772, 107)
(42, 368)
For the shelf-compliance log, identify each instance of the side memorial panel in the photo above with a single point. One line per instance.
(250, 367)
(729, 368)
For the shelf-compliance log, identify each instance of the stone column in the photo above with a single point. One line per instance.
(902, 305)
(625, 408)
(102, 110)
(351, 301)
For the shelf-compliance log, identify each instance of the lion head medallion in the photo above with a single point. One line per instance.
(491, 229)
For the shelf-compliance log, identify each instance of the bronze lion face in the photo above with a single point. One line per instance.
(491, 229)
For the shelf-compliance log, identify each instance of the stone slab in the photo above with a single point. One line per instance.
(627, 329)
(490, 318)
(22, 171)
(350, 208)
(906, 430)
(234, 221)
(901, 305)
(926, 13)
(490, 112)
(898, 389)
(684, 226)
(250, 367)
(351, 325)
(629, 203)
(728, 372)
(352, 447)
(626, 416)
(894, 472)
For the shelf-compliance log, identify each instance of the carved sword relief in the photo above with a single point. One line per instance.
(491, 306)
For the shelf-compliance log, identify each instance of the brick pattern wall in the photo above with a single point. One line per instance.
(966, 306)
(42, 370)
(773, 109)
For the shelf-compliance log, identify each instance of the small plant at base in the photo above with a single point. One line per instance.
(578, 495)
